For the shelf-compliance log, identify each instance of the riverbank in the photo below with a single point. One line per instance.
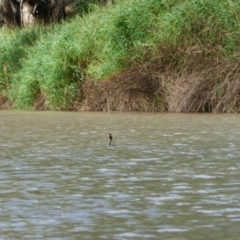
(157, 91)
(213, 88)
(131, 56)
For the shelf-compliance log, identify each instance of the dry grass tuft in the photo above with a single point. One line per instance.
(5, 103)
(39, 104)
(214, 89)
(132, 90)
(157, 87)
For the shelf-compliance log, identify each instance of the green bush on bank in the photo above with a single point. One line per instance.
(13, 48)
(54, 61)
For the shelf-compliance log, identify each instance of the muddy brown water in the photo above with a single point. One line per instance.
(166, 176)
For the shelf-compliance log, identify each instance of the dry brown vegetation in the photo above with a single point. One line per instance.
(201, 84)
(198, 84)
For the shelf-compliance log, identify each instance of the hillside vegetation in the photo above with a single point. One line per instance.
(137, 55)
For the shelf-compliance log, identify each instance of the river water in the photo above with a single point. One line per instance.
(166, 176)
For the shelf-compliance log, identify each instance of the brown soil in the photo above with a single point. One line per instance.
(5, 103)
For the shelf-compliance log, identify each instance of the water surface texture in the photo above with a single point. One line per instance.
(166, 176)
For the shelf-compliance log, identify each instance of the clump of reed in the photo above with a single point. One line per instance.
(13, 48)
(176, 57)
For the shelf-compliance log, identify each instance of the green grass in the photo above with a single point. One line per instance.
(54, 61)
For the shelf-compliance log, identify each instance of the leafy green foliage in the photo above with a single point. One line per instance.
(14, 47)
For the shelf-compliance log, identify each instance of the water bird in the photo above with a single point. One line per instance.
(110, 138)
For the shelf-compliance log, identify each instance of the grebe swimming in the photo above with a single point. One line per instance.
(110, 138)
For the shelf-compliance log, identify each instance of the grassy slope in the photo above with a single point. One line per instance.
(191, 48)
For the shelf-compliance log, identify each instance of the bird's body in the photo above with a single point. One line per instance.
(110, 138)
